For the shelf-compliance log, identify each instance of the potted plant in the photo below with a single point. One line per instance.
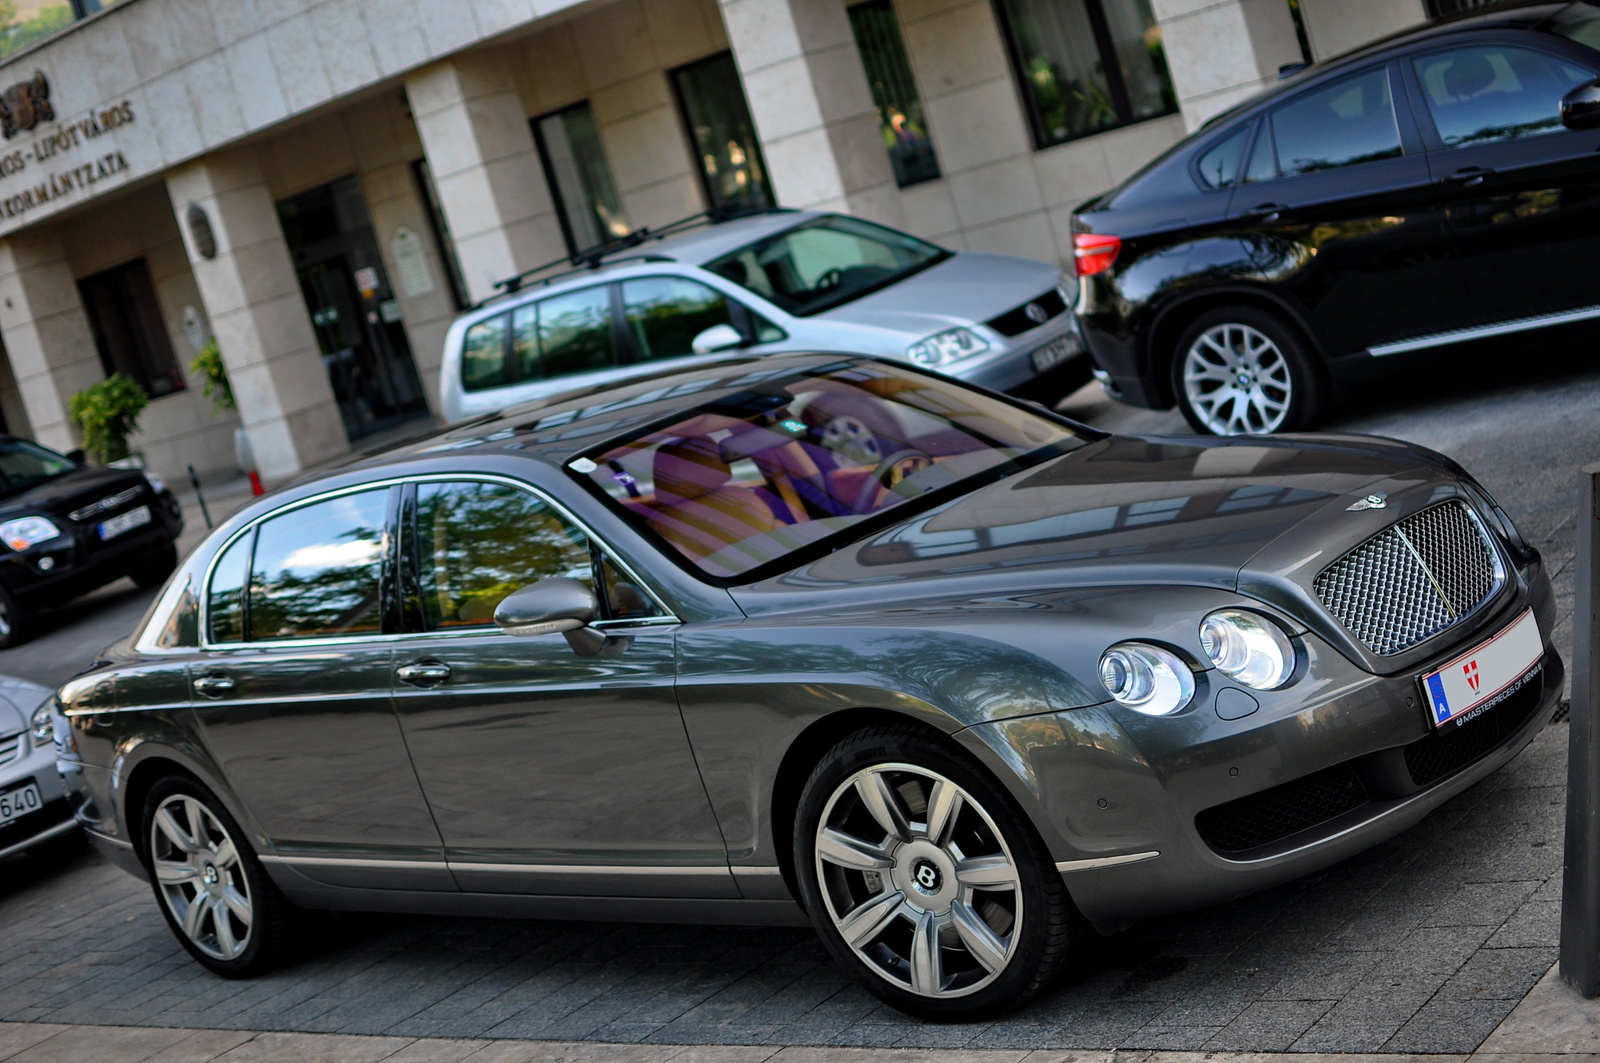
(107, 413)
(207, 365)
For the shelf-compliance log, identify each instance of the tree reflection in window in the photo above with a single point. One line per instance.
(478, 542)
(317, 569)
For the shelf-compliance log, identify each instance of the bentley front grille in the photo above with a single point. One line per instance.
(1414, 579)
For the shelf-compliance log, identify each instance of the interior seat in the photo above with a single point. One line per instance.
(696, 509)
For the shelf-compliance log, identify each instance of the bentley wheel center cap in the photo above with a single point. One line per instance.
(210, 876)
(925, 874)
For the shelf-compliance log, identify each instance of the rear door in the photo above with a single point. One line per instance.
(291, 688)
(546, 771)
(1339, 206)
(1522, 190)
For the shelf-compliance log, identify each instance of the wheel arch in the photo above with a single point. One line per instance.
(1169, 323)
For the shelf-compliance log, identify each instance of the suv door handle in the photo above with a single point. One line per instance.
(213, 686)
(1263, 212)
(423, 673)
(1468, 176)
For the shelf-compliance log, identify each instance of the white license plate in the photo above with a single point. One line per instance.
(134, 518)
(17, 803)
(1054, 353)
(1485, 675)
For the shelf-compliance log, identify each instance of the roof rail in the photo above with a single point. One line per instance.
(595, 257)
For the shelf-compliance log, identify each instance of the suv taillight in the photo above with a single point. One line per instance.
(1092, 252)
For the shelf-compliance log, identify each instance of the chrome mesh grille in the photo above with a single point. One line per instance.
(1413, 580)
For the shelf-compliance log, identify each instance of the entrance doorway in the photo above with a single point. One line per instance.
(353, 308)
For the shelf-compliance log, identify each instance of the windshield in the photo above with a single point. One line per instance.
(750, 480)
(24, 465)
(826, 262)
(1580, 22)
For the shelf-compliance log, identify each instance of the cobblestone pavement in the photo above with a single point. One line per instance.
(1422, 945)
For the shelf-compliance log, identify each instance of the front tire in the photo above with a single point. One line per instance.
(925, 879)
(1239, 370)
(212, 890)
(16, 621)
(154, 567)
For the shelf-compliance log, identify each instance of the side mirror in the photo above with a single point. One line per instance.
(77, 456)
(552, 605)
(716, 338)
(1580, 108)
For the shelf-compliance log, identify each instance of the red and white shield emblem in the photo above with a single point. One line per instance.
(1471, 669)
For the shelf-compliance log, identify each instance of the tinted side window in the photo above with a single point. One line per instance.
(317, 569)
(225, 604)
(575, 331)
(1489, 93)
(477, 542)
(666, 313)
(483, 355)
(1344, 124)
(182, 627)
(1219, 165)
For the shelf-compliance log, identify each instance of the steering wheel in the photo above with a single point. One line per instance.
(890, 471)
(830, 279)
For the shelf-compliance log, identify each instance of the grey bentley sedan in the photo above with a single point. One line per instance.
(810, 637)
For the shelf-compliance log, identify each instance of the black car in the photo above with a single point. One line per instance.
(1438, 188)
(69, 528)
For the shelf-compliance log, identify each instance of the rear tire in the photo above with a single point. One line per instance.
(1240, 370)
(209, 885)
(925, 879)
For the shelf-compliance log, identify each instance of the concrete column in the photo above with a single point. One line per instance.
(1221, 51)
(46, 333)
(258, 315)
(812, 106)
(1334, 27)
(480, 148)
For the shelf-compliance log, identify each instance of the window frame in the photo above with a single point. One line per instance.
(622, 351)
(562, 207)
(686, 125)
(1116, 88)
(393, 619)
(1422, 115)
(1412, 142)
(149, 339)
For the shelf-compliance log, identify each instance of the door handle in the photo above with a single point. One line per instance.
(423, 673)
(1468, 176)
(213, 686)
(1263, 212)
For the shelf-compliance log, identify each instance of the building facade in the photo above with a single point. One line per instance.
(321, 185)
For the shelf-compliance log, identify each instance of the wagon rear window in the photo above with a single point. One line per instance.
(750, 481)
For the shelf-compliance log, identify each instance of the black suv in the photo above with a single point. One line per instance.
(1437, 188)
(68, 528)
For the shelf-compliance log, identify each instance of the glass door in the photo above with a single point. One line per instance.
(353, 308)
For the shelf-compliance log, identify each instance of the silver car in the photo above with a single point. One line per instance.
(777, 281)
(33, 797)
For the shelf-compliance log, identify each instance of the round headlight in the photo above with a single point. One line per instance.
(1147, 678)
(1248, 648)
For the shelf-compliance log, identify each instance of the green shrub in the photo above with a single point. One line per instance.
(207, 365)
(108, 413)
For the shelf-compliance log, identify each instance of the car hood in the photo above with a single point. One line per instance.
(1124, 510)
(18, 699)
(965, 288)
(69, 491)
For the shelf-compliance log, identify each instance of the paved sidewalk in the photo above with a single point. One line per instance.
(1551, 1026)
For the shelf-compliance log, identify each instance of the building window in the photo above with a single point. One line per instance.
(128, 328)
(894, 92)
(580, 181)
(1086, 66)
(441, 233)
(732, 170)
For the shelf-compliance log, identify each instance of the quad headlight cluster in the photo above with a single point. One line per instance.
(1246, 647)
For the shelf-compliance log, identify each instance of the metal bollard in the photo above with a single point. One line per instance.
(1580, 885)
(204, 512)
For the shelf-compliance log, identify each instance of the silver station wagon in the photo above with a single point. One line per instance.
(780, 280)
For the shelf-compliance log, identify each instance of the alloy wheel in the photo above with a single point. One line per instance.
(1237, 381)
(201, 877)
(918, 880)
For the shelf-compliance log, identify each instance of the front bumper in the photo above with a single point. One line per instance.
(80, 562)
(52, 820)
(1008, 365)
(1114, 784)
